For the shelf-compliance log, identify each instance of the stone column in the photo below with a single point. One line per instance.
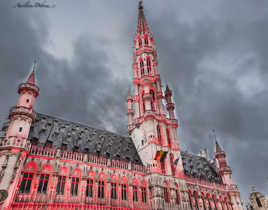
(9, 171)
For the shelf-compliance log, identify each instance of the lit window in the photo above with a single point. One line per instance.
(124, 192)
(143, 194)
(135, 193)
(43, 182)
(26, 182)
(74, 185)
(89, 190)
(113, 191)
(101, 189)
(61, 185)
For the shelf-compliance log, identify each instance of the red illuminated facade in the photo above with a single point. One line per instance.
(49, 163)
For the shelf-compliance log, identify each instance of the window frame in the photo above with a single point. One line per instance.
(89, 188)
(101, 189)
(143, 195)
(135, 193)
(124, 192)
(114, 190)
(74, 185)
(43, 183)
(26, 182)
(60, 188)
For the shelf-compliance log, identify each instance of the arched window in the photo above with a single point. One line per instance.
(142, 67)
(173, 169)
(196, 200)
(140, 42)
(135, 190)
(148, 62)
(146, 42)
(168, 137)
(152, 94)
(159, 133)
(74, 186)
(166, 196)
(178, 197)
(61, 185)
(190, 198)
(43, 182)
(25, 186)
(100, 189)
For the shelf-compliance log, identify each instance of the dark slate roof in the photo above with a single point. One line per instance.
(199, 167)
(60, 133)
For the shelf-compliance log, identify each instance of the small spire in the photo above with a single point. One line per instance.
(142, 23)
(31, 78)
(218, 148)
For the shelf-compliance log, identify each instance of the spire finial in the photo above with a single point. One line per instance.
(31, 78)
(140, 5)
(142, 24)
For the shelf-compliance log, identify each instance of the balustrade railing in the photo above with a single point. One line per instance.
(22, 110)
(14, 141)
(91, 158)
(205, 183)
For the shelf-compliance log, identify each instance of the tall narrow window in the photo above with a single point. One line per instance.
(140, 43)
(163, 167)
(146, 40)
(135, 193)
(173, 169)
(148, 61)
(124, 192)
(61, 185)
(177, 196)
(143, 194)
(74, 186)
(152, 100)
(25, 186)
(89, 190)
(168, 137)
(159, 133)
(166, 197)
(101, 189)
(113, 191)
(43, 182)
(141, 63)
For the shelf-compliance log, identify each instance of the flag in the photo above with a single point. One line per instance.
(160, 155)
(176, 161)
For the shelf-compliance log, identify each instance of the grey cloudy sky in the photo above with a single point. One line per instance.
(213, 53)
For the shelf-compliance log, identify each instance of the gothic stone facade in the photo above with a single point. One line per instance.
(50, 163)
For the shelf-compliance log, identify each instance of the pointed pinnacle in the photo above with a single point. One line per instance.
(218, 148)
(31, 78)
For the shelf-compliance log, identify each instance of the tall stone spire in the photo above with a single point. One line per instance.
(142, 23)
(151, 128)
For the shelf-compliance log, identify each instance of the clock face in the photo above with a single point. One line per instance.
(3, 195)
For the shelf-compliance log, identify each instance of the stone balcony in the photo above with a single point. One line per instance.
(15, 142)
(28, 86)
(21, 110)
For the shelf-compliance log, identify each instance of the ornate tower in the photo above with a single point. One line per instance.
(225, 170)
(153, 131)
(15, 145)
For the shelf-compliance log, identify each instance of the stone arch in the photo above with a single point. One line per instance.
(31, 166)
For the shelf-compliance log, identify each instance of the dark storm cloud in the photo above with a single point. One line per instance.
(216, 65)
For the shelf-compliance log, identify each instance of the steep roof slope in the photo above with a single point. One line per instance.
(74, 136)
